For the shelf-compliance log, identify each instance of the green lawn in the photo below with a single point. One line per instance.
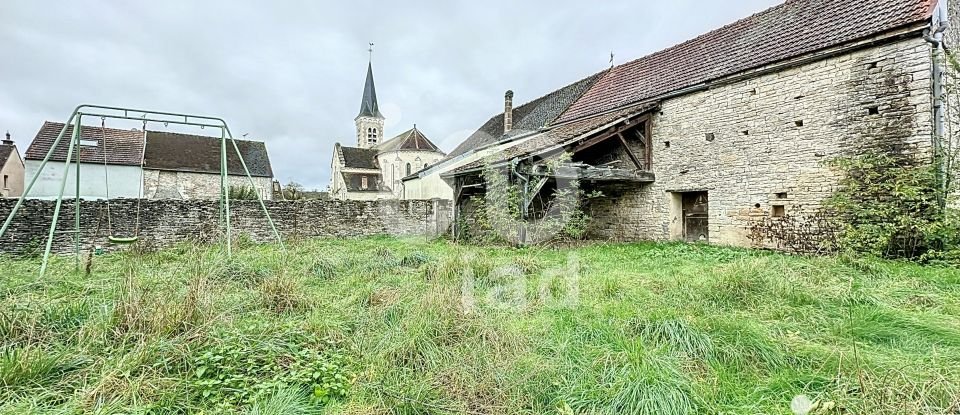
(384, 325)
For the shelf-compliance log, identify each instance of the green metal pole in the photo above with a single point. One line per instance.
(223, 187)
(77, 127)
(254, 186)
(33, 181)
(56, 210)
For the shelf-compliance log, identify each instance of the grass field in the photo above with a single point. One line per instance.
(411, 327)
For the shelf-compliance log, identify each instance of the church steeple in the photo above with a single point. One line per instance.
(370, 121)
(368, 106)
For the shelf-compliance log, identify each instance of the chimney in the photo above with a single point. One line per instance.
(508, 112)
(7, 141)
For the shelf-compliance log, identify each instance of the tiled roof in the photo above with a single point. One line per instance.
(561, 135)
(5, 153)
(123, 147)
(792, 29)
(164, 150)
(412, 139)
(528, 117)
(201, 154)
(359, 158)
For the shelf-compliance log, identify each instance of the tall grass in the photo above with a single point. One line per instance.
(414, 327)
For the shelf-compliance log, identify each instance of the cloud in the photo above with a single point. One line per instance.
(291, 73)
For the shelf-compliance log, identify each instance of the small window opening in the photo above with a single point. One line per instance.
(782, 195)
(872, 65)
(757, 206)
(798, 97)
(408, 169)
(873, 110)
(363, 182)
(5, 178)
(666, 144)
(799, 123)
(711, 136)
(89, 143)
(746, 132)
(753, 91)
(779, 211)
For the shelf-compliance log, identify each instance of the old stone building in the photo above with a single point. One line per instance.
(11, 169)
(117, 163)
(697, 141)
(374, 169)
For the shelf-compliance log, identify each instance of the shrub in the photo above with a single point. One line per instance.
(243, 193)
(890, 205)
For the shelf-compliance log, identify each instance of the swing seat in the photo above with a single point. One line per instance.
(120, 240)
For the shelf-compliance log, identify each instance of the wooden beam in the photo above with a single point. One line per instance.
(536, 189)
(648, 134)
(633, 157)
(590, 143)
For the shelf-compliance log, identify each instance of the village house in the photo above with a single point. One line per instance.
(374, 169)
(11, 169)
(119, 163)
(698, 141)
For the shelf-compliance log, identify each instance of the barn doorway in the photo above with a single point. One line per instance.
(696, 217)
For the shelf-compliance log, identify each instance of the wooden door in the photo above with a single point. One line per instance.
(696, 217)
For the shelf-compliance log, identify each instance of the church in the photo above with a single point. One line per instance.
(374, 169)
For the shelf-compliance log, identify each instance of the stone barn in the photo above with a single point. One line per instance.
(698, 141)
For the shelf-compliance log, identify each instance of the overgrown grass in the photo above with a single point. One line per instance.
(384, 325)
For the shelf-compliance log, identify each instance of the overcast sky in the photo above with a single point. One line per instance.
(291, 73)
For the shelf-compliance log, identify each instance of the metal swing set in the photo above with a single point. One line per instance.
(104, 113)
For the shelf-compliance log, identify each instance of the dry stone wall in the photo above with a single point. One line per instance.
(167, 222)
(762, 142)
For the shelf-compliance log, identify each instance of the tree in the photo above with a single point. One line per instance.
(293, 191)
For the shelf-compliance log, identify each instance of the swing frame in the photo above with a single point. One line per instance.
(145, 116)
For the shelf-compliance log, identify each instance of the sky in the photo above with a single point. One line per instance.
(290, 73)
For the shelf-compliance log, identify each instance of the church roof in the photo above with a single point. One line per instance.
(368, 105)
(412, 140)
(359, 158)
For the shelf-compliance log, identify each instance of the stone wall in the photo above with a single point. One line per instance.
(770, 138)
(187, 185)
(166, 222)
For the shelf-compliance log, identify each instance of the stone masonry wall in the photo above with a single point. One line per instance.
(166, 222)
(186, 185)
(771, 135)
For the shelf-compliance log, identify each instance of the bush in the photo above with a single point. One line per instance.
(891, 206)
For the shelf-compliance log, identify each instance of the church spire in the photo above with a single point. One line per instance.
(368, 106)
(370, 121)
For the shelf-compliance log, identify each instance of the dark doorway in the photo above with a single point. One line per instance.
(696, 217)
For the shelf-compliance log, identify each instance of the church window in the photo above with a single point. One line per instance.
(408, 169)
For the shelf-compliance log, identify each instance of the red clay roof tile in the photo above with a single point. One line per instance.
(792, 29)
